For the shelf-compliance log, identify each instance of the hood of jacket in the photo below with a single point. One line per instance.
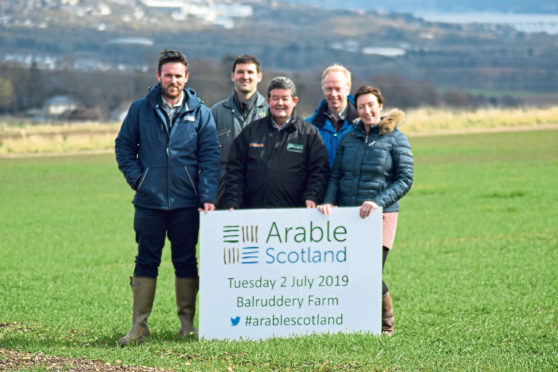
(387, 123)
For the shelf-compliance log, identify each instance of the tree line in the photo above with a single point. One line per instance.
(23, 89)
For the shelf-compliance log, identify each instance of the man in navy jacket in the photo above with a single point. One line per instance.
(279, 161)
(168, 151)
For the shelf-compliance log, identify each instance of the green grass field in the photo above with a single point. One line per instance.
(473, 273)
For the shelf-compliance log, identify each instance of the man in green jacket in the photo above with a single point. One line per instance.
(241, 108)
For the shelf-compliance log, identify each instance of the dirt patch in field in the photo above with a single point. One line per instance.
(14, 360)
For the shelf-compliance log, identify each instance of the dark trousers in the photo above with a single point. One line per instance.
(385, 252)
(181, 226)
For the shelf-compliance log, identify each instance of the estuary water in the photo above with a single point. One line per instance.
(526, 22)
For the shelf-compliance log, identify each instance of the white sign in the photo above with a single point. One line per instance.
(282, 272)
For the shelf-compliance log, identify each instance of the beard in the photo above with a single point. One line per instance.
(171, 91)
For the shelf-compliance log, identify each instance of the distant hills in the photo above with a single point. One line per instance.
(48, 48)
(410, 6)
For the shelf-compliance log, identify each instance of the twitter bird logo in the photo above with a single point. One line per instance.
(235, 321)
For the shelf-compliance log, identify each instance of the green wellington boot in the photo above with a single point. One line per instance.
(144, 294)
(186, 290)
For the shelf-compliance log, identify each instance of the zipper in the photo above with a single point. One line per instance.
(143, 178)
(224, 133)
(191, 180)
(285, 135)
(164, 118)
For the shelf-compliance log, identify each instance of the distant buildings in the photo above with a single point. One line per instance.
(59, 105)
(218, 14)
(63, 107)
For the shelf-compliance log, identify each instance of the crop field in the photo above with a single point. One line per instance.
(17, 138)
(473, 273)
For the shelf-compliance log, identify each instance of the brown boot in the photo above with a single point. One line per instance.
(186, 290)
(144, 294)
(387, 315)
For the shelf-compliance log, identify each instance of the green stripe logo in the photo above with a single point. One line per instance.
(295, 147)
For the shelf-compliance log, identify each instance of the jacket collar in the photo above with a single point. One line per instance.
(320, 116)
(289, 126)
(260, 101)
(191, 100)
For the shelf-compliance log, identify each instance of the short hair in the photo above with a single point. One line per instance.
(281, 82)
(172, 56)
(367, 89)
(337, 67)
(246, 58)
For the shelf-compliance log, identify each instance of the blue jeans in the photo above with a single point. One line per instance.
(181, 226)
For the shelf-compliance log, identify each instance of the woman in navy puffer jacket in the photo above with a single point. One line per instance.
(373, 168)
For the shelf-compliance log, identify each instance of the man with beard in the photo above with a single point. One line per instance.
(279, 161)
(242, 107)
(168, 151)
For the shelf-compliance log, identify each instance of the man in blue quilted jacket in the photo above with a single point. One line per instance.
(168, 151)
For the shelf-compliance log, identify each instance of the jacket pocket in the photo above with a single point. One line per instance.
(191, 180)
(225, 133)
(142, 179)
(225, 142)
(152, 188)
